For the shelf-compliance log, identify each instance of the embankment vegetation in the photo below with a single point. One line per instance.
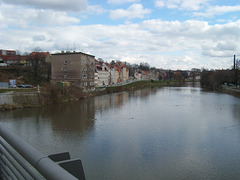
(50, 93)
(213, 80)
(225, 81)
(22, 75)
(139, 85)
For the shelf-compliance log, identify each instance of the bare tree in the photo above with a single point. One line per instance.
(41, 68)
(36, 62)
(144, 66)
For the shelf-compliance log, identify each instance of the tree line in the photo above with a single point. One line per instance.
(214, 79)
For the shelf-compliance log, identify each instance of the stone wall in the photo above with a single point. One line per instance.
(6, 98)
(21, 98)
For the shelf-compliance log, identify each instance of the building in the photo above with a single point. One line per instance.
(38, 58)
(75, 67)
(118, 72)
(10, 57)
(7, 52)
(138, 75)
(152, 74)
(103, 73)
(124, 72)
(112, 73)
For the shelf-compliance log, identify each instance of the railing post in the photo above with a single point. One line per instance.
(43, 164)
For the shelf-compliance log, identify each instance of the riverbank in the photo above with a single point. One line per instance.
(234, 91)
(136, 85)
(11, 99)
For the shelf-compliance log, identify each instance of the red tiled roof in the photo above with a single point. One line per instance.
(145, 72)
(13, 58)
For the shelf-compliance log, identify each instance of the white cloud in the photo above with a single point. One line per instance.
(95, 9)
(24, 17)
(39, 38)
(134, 11)
(121, 1)
(160, 3)
(218, 10)
(182, 4)
(47, 17)
(191, 43)
(221, 48)
(2, 23)
(66, 5)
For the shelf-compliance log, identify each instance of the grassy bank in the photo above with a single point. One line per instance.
(231, 90)
(139, 85)
(53, 94)
(18, 90)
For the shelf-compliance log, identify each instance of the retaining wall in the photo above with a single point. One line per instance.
(21, 98)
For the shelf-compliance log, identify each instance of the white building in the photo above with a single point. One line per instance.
(102, 71)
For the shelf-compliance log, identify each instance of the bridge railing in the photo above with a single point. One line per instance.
(20, 160)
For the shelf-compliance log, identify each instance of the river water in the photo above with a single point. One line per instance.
(157, 133)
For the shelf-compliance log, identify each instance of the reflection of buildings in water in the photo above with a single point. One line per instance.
(102, 102)
(121, 98)
(137, 93)
(125, 97)
(114, 100)
(143, 93)
(24, 120)
(75, 116)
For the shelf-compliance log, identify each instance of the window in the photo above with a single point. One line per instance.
(65, 62)
(65, 69)
(65, 76)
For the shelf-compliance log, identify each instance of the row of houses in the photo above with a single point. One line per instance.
(10, 58)
(78, 68)
(151, 74)
(113, 73)
(83, 70)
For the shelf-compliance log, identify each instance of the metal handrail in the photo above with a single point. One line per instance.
(45, 166)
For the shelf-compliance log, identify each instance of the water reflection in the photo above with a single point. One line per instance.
(153, 133)
(74, 116)
(112, 100)
(117, 100)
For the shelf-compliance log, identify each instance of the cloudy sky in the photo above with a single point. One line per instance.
(168, 34)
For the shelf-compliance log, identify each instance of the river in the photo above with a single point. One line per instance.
(155, 133)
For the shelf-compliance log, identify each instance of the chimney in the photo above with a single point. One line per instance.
(234, 62)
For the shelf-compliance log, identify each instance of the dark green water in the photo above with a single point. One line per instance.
(149, 134)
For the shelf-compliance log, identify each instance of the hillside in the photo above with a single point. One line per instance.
(22, 75)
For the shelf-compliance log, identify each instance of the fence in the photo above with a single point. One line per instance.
(3, 84)
(19, 160)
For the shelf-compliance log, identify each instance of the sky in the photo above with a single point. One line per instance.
(167, 34)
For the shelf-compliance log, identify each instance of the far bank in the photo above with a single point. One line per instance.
(25, 98)
(11, 99)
